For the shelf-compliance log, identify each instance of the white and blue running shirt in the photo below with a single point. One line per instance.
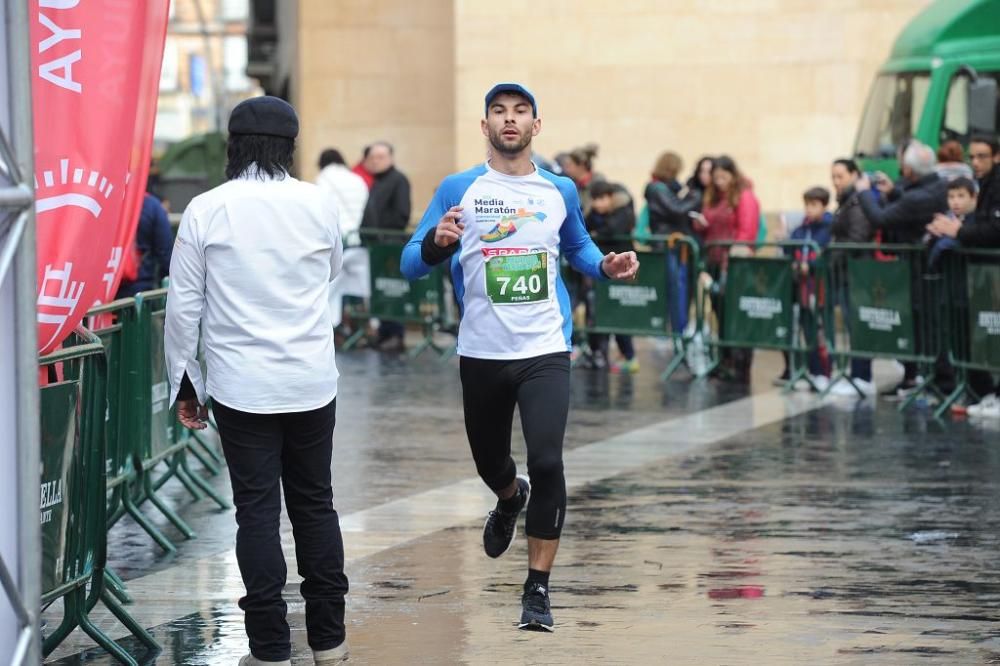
(506, 274)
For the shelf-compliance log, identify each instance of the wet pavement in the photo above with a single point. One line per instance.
(706, 526)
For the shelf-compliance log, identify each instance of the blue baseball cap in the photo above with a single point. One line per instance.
(515, 88)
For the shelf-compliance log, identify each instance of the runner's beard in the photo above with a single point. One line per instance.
(507, 148)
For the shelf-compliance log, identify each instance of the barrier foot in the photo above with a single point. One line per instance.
(177, 521)
(102, 639)
(675, 363)
(116, 586)
(185, 478)
(950, 400)
(142, 521)
(205, 456)
(447, 353)
(204, 485)
(130, 622)
(794, 377)
(425, 344)
(354, 339)
(918, 393)
(65, 628)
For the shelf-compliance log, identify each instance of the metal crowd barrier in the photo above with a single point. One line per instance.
(74, 410)
(394, 298)
(657, 303)
(757, 296)
(969, 311)
(890, 303)
(138, 436)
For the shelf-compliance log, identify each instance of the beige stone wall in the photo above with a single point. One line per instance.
(378, 69)
(777, 84)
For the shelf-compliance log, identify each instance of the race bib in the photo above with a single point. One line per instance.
(517, 279)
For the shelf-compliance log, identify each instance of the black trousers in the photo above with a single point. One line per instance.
(294, 450)
(539, 387)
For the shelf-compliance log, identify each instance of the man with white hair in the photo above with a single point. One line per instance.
(925, 194)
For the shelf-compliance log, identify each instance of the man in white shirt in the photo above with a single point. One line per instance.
(250, 275)
(351, 192)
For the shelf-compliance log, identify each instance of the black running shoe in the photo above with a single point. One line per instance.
(501, 526)
(536, 611)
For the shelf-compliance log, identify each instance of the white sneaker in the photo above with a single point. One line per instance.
(843, 389)
(250, 660)
(989, 408)
(337, 655)
(820, 382)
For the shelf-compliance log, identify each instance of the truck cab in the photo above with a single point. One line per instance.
(939, 83)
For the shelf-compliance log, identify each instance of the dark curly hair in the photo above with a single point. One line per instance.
(272, 155)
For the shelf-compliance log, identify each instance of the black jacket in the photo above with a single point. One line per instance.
(611, 231)
(388, 204)
(668, 211)
(988, 204)
(983, 229)
(906, 219)
(850, 224)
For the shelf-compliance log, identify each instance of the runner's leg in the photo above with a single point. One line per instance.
(489, 400)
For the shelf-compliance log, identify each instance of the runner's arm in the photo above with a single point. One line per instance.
(576, 244)
(421, 254)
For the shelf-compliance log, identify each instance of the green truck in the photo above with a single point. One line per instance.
(939, 83)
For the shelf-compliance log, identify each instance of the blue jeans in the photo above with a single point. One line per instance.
(677, 291)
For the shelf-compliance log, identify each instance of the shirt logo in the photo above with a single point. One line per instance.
(509, 224)
(490, 252)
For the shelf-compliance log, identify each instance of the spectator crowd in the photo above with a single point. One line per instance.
(941, 200)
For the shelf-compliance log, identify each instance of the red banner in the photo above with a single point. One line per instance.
(94, 84)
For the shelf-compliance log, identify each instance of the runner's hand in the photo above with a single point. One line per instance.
(192, 415)
(449, 230)
(620, 266)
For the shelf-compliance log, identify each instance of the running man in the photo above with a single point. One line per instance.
(504, 225)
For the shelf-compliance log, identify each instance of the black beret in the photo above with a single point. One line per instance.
(272, 116)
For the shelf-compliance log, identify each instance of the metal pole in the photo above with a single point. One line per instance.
(28, 448)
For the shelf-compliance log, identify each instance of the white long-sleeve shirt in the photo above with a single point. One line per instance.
(352, 194)
(250, 273)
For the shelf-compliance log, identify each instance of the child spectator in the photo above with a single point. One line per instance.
(610, 223)
(816, 230)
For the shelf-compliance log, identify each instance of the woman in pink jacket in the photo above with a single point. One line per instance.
(730, 212)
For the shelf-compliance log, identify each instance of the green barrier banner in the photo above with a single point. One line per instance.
(881, 320)
(758, 301)
(59, 438)
(638, 307)
(984, 313)
(396, 298)
(162, 417)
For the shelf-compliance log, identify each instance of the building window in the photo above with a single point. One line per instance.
(234, 58)
(169, 68)
(234, 10)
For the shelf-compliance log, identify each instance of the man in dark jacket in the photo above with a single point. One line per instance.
(388, 207)
(924, 195)
(389, 200)
(154, 240)
(984, 152)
